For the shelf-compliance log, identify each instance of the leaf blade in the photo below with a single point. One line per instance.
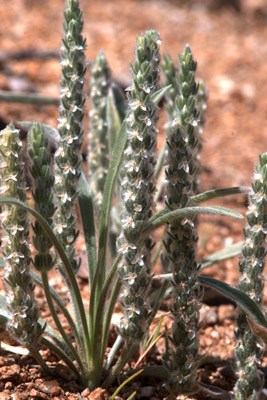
(87, 214)
(167, 217)
(157, 96)
(221, 255)
(215, 193)
(249, 307)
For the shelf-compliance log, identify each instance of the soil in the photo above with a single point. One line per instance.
(228, 39)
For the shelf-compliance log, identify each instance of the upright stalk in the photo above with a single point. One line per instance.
(181, 257)
(137, 186)
(249, 350)
(68, 154)
(23, 322)
(70, 127)
(98, 149)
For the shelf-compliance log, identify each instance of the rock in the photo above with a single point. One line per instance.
(65, 372)
(37, 395)
(10, 373)
(225, 312)
(146, 391)
(85, 393)
(4, 396)
(98, 394)
(49, 386)
(208, 315)
(56, 391)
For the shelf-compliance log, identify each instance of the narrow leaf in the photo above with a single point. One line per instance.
(62, 355)
(37, 279)
(113, 120)
(156, 222)
(107, 199)
(224, 254)
(57, 245)
(125, 383)
(160, 163)
(131, 396)
(249, 307)
(119, 101)
(151, 342)
(87, 214)
(213, 194)
(3, 311)
(157, 96)
(213, 392)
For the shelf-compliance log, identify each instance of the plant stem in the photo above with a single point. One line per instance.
(127, 351)
(249, 350)
(58, 323)
(37, 356)
(60, 353)
(117, 344)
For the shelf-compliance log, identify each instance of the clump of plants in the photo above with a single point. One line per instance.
(127, 182)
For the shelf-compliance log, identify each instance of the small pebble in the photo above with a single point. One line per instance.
(98, 394)
(65, 372)
(146, 391)
(225, 311)
(8, 386)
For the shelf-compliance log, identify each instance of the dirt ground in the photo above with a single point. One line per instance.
(229, 41)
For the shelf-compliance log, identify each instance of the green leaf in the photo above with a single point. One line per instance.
(213, 194)
(160, 162)
(125, 383)
(37, 279)
(50, 132)
(64, 356)
(224, 254)
(87, 214)
(163, 217)
(99, 330)
(249, 307)
(2, 262)
(3, 311)
(119, 101)
(131, 396)
(50, 332)
(113, 120)
(57, 245)
(114, 166)
(157, 96)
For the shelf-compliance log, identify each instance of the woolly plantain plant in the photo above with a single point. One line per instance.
(249, 349)
(125, 133)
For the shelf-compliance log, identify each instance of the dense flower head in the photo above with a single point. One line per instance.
(98, 150)
(15, 243)
(249, 351)
(70, 127)
(180, 257)
(137, 184)
(42, 194)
